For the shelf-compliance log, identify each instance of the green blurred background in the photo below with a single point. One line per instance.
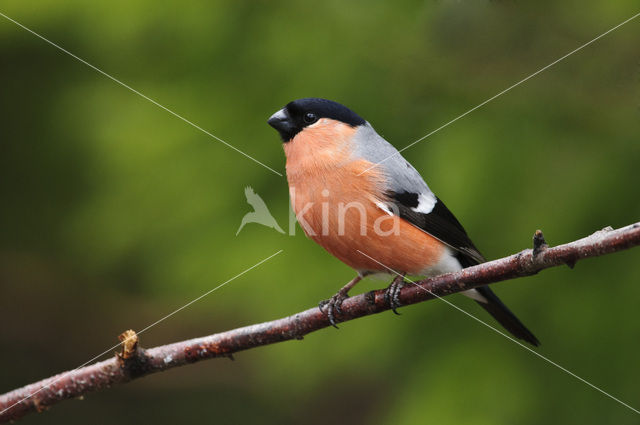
(115, 213)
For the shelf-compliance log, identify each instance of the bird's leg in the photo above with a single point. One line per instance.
(391, 295)
(334, 303)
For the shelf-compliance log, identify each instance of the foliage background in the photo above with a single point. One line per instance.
(115, 213)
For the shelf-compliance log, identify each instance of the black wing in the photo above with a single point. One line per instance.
(439, 223)
(443, 225)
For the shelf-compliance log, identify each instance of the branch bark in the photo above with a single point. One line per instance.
(135, 362)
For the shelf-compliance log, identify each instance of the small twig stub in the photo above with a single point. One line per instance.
(539, 244)
(129, 340)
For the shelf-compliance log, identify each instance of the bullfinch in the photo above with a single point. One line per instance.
(356, 196)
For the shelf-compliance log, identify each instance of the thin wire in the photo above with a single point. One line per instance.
(140, 94)
(508, 337)
(139, 332)
(502, 92)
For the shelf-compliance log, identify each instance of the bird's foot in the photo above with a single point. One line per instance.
(391, 295)
(332, 306)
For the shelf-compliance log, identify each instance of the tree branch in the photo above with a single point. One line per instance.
(134, 362)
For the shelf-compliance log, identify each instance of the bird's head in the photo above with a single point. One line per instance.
(315, 114)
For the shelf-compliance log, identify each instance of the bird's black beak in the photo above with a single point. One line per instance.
(282, 122)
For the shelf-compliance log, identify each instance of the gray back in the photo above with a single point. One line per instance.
(401, 176)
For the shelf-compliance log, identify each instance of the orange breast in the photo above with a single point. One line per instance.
(338, 208)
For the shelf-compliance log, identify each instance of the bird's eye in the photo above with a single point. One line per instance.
(310, 117)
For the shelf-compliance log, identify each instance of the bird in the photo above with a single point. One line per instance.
(260, 213)
(355, 195)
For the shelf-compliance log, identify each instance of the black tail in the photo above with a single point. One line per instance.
(504, 316)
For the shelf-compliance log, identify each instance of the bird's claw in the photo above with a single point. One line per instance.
(333, 305)
(392, 294)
